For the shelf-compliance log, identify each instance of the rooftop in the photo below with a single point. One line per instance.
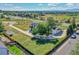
(3, 50)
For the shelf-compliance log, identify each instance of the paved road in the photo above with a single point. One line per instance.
(67, 47)
(24, 32)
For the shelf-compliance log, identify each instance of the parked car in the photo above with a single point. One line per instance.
(77, 32)
(73, 36)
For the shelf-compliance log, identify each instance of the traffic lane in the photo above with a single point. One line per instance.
(66, 48)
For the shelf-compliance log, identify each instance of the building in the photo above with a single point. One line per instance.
(57, 32)
(3, 50)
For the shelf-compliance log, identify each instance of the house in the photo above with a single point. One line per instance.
(3, 50)
(49, 37)
(33, 24)
(57, 32)
(40, 36)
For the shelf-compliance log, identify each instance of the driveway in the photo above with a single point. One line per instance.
(67, 47)
(24, 32)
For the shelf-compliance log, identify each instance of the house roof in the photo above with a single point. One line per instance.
(3, 50)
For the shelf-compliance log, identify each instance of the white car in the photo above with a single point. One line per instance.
(73, 36)
(77, 32)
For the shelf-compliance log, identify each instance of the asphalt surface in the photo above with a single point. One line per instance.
(67, 47)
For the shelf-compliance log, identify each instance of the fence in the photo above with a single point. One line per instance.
(30, 53)
(19, 46)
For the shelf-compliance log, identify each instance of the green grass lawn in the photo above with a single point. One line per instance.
(15, 50)
(33, 46)
(24, 25)
(64, 26)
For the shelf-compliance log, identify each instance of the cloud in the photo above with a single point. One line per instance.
(15, 8)
(70, 4)
(40, 4)
(52, 4)
(18, 8)
(6, 4)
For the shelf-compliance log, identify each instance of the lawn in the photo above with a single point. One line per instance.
(33, 46)
(15, 50)
(64, 26)
(24, 25)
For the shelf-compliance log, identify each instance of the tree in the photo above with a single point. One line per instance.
(41, 28)
(52, 23)
(70, 30)
(34, 31)
(1, 27)
(74, 22)
(1, 16)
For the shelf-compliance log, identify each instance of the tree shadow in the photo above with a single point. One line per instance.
(45, 41)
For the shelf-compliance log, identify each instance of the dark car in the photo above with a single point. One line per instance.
(73, 36)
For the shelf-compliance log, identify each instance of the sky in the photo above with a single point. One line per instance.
(39, 6)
